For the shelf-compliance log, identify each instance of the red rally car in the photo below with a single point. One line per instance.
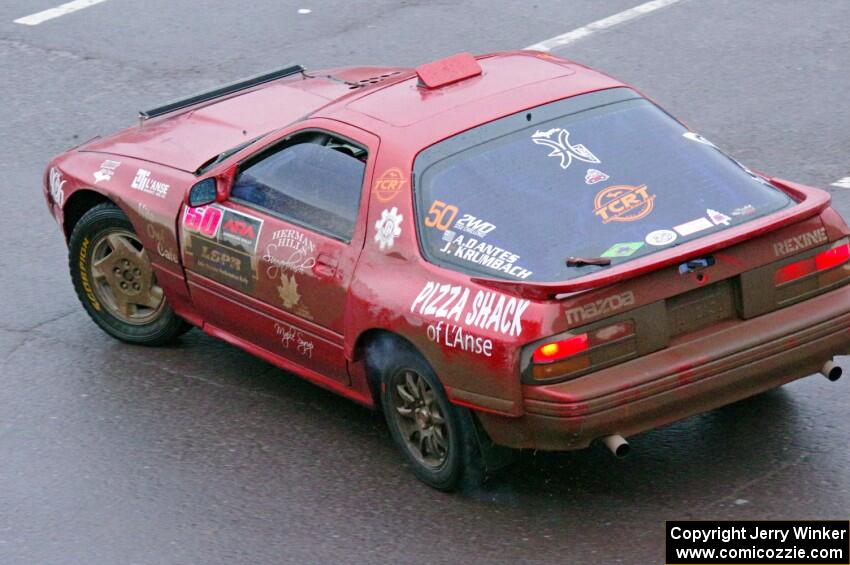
(504, 251)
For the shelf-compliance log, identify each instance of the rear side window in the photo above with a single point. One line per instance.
(605, 175)
(314, 180)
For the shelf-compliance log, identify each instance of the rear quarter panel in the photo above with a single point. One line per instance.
(397, 290)
(449, 319)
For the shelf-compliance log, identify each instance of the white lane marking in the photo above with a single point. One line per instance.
(304, 10)
(599, 25)
(842, 183)
(67, 8)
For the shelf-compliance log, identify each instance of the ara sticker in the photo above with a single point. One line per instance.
(389, 184)
(661, 237)
(594, 176)
(239, 231)
(622, 249)
(388, 228)
(694, 226)
(623, 203)
(718, 218)
(558, 140)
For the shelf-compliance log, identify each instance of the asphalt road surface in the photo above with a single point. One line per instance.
(199, 453)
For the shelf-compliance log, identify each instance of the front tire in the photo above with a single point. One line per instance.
(115, 282)
(436, 437)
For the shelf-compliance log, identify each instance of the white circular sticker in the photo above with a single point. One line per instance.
(661, 237)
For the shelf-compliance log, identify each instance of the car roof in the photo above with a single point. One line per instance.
(509, 82)
(387, 101)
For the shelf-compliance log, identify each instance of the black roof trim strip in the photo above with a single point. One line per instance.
(230, 88)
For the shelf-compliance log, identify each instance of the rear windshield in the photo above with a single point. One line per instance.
(605, 177)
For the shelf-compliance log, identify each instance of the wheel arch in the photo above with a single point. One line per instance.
(373, 340)
(80, 202)
(370, 347)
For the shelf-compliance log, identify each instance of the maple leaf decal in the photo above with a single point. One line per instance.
(288, 291)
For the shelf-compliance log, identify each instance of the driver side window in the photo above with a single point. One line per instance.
(313, 179)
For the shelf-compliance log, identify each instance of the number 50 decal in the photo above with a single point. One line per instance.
(203, 219)
(441, 215)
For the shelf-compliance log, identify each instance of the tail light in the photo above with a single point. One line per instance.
(561, 349)
(794, 279)
(822, 261)
(576, 353)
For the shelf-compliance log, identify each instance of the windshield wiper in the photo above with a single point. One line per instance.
(584, 261)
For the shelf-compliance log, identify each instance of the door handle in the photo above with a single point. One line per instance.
(325, 266)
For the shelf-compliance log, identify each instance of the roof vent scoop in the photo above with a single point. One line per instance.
(447, 71)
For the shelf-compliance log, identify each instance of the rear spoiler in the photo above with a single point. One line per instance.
(811, 202)
(242, 84)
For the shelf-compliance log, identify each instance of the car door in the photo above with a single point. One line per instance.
(271, 264)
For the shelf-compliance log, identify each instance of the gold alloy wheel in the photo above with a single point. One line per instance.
(123, 278)
(419, 418)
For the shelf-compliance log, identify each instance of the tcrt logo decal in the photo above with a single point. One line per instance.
(389, 184)
(623, 203)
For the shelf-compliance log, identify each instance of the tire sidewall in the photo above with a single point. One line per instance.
(449, 475)
(96, 222)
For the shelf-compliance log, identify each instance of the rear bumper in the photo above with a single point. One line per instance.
(712, 368)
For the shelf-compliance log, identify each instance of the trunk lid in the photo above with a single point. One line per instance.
(810, 203)
(777, 261)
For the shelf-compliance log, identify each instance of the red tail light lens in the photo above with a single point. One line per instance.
(794, 271)
(560, 350)
(820, 262)
(576, 354)
(832, 257)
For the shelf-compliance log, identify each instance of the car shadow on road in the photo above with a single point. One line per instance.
(708, 452)
(696, 458)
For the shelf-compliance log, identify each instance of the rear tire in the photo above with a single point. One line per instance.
(115, 282)
(436, 437)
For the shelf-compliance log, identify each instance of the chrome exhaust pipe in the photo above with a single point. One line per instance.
(617, 445)
(831, 371)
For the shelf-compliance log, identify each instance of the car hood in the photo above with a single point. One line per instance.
(187, 140)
